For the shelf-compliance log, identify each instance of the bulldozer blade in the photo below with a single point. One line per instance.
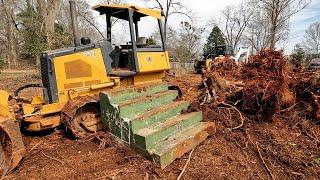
(12, 148)
(3, 165)
(11, 145)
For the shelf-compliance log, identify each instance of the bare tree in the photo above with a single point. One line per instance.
(49, 10)
(278, 13)
(172, 38)
(170, 7)
(87, 15)
(236, 20)
(188, 43)
(257, 34)
(87, 23)
(312, 38)
(10, 37)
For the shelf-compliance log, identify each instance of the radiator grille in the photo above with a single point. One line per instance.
(44, 61)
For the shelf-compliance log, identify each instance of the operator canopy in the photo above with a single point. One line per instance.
(121, 11)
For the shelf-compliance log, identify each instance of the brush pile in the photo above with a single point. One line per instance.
(307, 89)
(262, 87)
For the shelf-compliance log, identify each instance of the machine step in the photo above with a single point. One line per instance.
(174, 147)
(126, 93)
(150, 121)
(118, 117)
(157, 115)
(148, 137)
(130, 108)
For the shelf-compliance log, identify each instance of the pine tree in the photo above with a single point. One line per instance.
(151, 41)
(33, 34)
(216, 38)
(33, 37)
(298, 56)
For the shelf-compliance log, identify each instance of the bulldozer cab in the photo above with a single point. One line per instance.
(88, 68)
(138, 55)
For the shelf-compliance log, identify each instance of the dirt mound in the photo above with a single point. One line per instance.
(190, 85)
(286, 148)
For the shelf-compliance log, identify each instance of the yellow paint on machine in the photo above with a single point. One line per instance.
(153, 61)
(208, 63)
(28, 109)
(4, 106)
(147, 12)
(149, 77)
(76, 70)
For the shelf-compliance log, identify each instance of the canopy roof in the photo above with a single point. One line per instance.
(121, 11)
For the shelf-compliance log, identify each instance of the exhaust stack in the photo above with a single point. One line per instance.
(75, 29)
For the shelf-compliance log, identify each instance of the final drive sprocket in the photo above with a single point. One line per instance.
(81, 116)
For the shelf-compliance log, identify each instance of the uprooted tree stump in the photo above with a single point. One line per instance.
(262, 87)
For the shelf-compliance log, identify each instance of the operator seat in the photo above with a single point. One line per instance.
(115, 56)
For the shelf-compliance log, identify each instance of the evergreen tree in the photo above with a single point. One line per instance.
(216, 38)
(298, 56)
(151, 41)
(61, 37)
(1, 63)
(34, 36)
(31, 32)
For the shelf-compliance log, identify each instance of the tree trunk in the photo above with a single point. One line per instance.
(10, 51)
(48, 10)
(11, 55)
(38, 60)
(165, 31)
(272, 41)
(273, 37)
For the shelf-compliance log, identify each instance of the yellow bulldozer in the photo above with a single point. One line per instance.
(98, 86)
(219, 52)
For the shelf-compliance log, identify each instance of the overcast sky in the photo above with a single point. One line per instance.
(206, 10)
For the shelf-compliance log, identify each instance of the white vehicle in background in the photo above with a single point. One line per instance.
(314, 64)
(243, 54)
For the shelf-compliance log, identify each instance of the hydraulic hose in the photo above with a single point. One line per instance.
(16, 92)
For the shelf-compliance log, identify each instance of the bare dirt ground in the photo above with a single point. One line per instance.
(286, 148)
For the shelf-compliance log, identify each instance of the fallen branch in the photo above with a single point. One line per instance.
(297, 173)
(309, 135)
(55, 159)
(28, 153)
(185, 166)
(34, 147)
(207, 97)
(288, 109)
(264, 163)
